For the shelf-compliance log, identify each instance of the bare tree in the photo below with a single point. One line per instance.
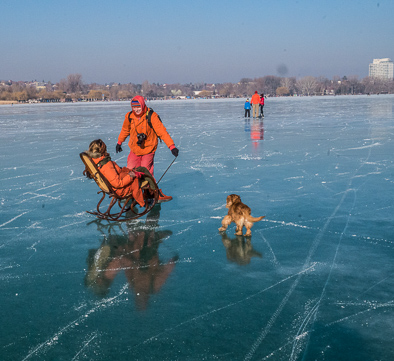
(282, 90)
(31, 92)
(251, 88)
(74, 83)
(307, 85)
(271, 83)
(288, 83)
(226, 89)
(259, 85)
(324, 85)
(49, 87)
(62, 85)
(242, 86)
(21, 96)
(114, 91)
(125, 94)
(146, 88)
(95, 95)
(356, 87)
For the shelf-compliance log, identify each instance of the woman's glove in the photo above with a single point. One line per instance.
(118, 148)
(175, 152)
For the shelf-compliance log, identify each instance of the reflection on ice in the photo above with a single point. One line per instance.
(136, 253)
(256, 129)
(239, 249)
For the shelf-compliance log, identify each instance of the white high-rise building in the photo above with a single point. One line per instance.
(381, 68)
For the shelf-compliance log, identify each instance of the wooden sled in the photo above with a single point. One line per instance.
(129, 208)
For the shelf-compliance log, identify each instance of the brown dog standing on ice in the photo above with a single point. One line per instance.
(239, 213)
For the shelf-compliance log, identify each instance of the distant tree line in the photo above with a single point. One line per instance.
(74, 89)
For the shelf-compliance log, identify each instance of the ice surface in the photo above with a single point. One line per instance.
(314, 283)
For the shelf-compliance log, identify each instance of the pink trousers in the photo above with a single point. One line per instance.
(141, 161)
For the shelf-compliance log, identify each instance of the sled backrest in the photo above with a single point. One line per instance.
(91, 167)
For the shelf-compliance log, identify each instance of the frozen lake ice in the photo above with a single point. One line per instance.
(314, 282)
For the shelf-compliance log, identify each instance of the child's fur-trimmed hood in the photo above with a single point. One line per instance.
(93, 154)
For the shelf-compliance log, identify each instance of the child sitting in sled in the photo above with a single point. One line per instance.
(123, 180)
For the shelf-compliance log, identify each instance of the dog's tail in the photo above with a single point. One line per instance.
(254, 219)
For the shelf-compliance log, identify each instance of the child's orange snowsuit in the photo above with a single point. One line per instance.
(120, 179)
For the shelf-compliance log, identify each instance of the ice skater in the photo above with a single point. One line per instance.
(247, 108)
(255, 104)
(261, 105)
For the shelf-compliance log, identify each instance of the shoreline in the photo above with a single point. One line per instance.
(15, 102)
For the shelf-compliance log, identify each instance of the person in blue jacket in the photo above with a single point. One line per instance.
(247, 108)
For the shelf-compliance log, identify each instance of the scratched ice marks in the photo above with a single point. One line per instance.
(314, 282)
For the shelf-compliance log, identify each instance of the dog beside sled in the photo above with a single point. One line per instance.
(240, 214)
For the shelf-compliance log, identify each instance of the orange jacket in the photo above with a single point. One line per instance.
(140, 125)
(255, 99)
(120, 179)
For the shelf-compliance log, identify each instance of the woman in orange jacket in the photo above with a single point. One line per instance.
(123, 180)
(144, 138)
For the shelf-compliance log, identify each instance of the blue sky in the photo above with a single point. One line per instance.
(211, 41)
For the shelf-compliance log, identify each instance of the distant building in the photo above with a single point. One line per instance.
(381, 68)
(39, 85)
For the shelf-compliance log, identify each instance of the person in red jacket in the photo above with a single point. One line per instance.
(123, 180)
(144, 138)
(255, 101)
(262, 105)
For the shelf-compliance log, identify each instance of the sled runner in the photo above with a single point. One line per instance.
(129, 209)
